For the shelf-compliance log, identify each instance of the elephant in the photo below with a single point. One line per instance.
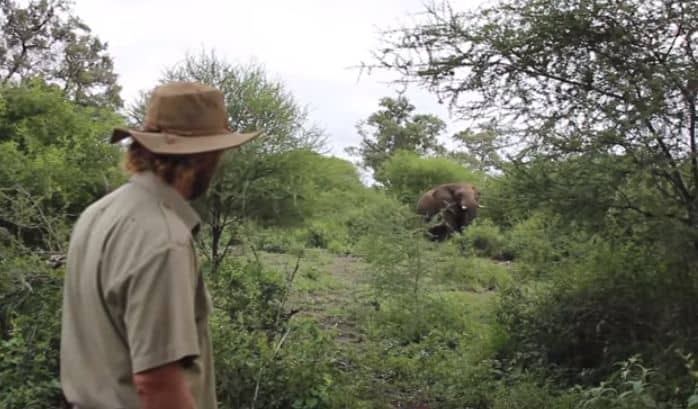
(458, 204)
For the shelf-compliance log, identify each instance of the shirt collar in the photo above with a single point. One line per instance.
(170, 197)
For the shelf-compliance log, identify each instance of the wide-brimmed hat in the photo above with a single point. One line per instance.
(185, 118)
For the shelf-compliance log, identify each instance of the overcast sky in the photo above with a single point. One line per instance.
(309, 45)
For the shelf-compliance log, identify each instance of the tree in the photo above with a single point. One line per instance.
(407, 176)
(259, 181)
(481, 150)
(55, 161)
(44, 39)
(396, 127)
(571, 78)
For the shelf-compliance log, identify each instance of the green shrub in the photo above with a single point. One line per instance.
(395, 255)
(454, 265)
(53, 161)
(343, 219)
(449, 366)
(30, 316)
(527, 394)
(409, 319)
(540, 244)
(289, 370)
(533, 240)
(633, 385)
(483, 238)
(275, 240)
(607, 302)
(326, 234)
(264, 358)
(406, 175)
(473, 273)
(335, 215)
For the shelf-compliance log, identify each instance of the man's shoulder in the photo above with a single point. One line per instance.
(132, 210)
(145, 213)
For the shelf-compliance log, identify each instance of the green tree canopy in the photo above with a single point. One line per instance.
(259, 181)
(45, 39)
(55, 161)
(407, 175)
(396, 127)
(573, 77)
(480, 150)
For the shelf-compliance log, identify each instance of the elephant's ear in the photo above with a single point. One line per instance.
(443, 193)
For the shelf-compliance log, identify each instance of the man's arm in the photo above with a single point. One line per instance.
(164, 388)
(160, 321)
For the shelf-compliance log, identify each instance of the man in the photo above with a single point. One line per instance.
(135, 309)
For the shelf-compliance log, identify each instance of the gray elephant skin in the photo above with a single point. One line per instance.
(458, 204)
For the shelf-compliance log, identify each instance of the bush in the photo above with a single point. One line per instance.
(407, 176)
(532, 240)
(607, 302)
(634, 385)
(326, 234)
(411, 319)
(483, 238)
(527, 394)
(472, 273)
(342, 219)
(256, 370)
(264, 358)
(440, 356)
(272, 240)
(30, 317)
(53, 161)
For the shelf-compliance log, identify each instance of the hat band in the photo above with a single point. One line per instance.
(185, 132)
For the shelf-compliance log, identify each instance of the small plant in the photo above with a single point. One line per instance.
(484, 239)
(30, 311)
(629, 387)
(266, 359)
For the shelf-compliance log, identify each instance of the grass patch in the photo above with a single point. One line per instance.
(471, 273)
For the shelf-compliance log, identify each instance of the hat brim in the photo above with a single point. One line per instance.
(172, 144)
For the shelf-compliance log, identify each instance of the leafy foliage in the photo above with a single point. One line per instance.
(30, 306)
(54, 161)
(575, 288)
(617, 81)
(481, 150)
(44, 39)
(394, 128)
(407, 176)
(260, 179)
(265, 359)
(610, 301)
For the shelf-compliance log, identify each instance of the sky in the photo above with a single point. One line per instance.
(312, 46)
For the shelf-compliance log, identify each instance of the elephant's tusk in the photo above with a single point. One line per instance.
(464, 207)
(482, 207)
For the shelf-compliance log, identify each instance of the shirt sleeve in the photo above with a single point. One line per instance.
(159, 315)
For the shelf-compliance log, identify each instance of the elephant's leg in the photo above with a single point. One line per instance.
(440, 232)
(453, 219)
(460, 222)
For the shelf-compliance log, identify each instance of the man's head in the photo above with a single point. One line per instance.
(191, 175)
(183, 136)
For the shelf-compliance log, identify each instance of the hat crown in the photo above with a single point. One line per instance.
(186, 108)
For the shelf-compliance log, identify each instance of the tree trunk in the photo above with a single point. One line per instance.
(216, 233)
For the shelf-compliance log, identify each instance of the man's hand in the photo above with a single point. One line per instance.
(164, 388)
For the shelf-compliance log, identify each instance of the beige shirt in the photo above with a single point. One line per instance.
(134, 298)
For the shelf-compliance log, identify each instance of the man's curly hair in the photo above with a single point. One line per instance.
(168, 167)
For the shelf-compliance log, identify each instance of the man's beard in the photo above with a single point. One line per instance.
(202, 181)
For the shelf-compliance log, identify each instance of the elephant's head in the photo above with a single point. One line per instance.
(467, 197)
(461, 197)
